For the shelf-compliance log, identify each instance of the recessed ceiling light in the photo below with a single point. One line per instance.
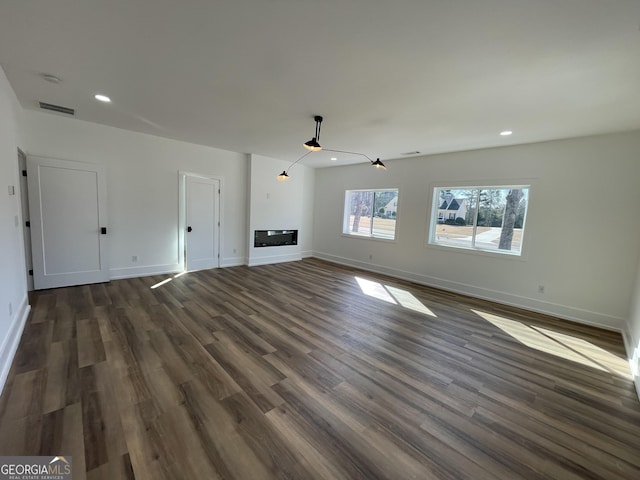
(102, 98)
(333, 159)
(506, 133)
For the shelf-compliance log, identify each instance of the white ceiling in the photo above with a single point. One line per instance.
(389, 77)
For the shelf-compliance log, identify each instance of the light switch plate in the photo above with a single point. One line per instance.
(12, 190)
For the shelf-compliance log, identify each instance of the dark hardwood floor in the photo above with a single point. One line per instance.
(311, 370)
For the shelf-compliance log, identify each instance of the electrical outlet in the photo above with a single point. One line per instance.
(134, 258)
(540, 288)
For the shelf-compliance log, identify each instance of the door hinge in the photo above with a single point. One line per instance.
(218, 191)
(27, 223)
(31, 272)
(24, 173)
(218, 223)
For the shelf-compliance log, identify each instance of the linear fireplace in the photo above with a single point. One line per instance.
(274, 238)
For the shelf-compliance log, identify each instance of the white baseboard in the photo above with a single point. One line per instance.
(233, 262)
(12, 340)
(292, 257)
(307, 253)
(573, 314)
(132, 272)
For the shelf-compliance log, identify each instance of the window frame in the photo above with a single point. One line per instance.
(434, 218)
(346, 215)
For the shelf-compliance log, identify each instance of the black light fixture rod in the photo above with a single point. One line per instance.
(318, 120)
(291, 166)
(350, 153)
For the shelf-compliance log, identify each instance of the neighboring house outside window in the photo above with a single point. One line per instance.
(391, 208)
(451, 208)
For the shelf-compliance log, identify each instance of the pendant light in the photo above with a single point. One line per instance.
(313, 145)
(378, 164)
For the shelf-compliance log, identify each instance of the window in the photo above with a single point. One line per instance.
(371, 213)
(480, 218)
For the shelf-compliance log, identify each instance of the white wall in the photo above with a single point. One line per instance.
(582, 236)
(308, 210)
(14, 306)
(142, 188)
(275, 205)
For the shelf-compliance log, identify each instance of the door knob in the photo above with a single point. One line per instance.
(189, 229)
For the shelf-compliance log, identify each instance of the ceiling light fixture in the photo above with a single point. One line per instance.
(313, 146)
(506, 133)
(378, 164)
(102, 98)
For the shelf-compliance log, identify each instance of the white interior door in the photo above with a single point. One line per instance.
(202, 223)
(68, 222)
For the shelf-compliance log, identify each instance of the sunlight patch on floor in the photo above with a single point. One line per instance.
(394, 295)
(408, 300)
(159, 284)
(375, 290)
(597, 354)
(559, 344)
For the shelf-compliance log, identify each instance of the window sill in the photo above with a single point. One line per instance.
(365, 237)
(483, 253)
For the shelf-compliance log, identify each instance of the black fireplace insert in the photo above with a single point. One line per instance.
(274, 238)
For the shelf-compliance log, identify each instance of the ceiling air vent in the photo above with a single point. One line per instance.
(57, 108)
